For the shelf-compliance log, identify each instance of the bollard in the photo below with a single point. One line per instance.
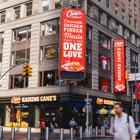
(81, 132)
(96, 131)
(1, 132)
(12, 133)
(91, 130)
(71, 132)
(29, 133)
(103, 131)
(47, 133)
(61, 133)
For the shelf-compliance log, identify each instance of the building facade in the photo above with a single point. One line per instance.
(30, 30)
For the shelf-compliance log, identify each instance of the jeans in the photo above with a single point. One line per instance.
(42, 133)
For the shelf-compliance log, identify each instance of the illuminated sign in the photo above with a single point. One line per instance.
(39, 99)
(119, 65)
(72, 43)
(16, 100)
(138, 90)
(102, 101)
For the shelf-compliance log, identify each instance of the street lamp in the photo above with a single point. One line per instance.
(137, 121)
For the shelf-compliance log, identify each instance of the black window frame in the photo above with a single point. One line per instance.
(107, 3)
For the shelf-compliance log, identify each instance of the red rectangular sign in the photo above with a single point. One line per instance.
(72, 47)
(119, 65)
(138, 90)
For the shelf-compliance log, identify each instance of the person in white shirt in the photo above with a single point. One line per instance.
(72, 123)
(122, 125)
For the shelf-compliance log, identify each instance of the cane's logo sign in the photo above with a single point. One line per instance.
(73, 14)
(118, 44)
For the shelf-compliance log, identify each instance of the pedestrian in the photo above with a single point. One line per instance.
(53, 124)
(42, 128)
(122, 125)
(72, 123)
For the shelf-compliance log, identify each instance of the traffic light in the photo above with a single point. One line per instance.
(30, 71)
(84, 109)
(127, 74)
(25, 70)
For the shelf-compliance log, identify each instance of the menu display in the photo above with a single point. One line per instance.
(72, 47)
(119, 65)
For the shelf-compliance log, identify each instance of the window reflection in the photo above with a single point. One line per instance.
(20, 56)
(28, 9)
(49, 27)
(17, 12)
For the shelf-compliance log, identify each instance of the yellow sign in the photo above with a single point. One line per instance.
(39, 99)
(102, 101)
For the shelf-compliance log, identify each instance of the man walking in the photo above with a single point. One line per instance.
(122, 125)
(72, 123)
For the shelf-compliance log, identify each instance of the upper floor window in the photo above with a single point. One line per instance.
(100, 16)
(49, 27)
(134, 61)
(116, 9)
(5, 1)
(58, 3)
(88, 32)
(19, 56)
(88, 56)
(135, 9)
(89, 7)
(123, 32)
(104, 62)
(135, 24)
(48, 52)
(107, 3)
(99, 0)
(17, 12)
(45, 5)
(1, 38)
(117, 27)
(29, 9)
(104, 41)
(129, 19)
(2, 17)
(129, 4)
(108, 21)
(80, 4)
(22, 34)
(104, 84)
(123, 14)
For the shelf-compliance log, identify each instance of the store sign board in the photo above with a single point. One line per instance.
(39, 99)
(138, 90)
(102, 101)
(16, 100)
(72, 43)
(119, 65)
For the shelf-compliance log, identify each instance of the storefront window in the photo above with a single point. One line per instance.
(48, 52)
(22, 34)
(58, 3)
(49, 27)
(134, 61)
(88, 32)
(104, 84)
(104, 41)
(17, 115)
(19, 56)
(104, 62)
(45, 5)
(17, 81)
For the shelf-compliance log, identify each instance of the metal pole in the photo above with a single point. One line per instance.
(96, 131)
(103, 131)
(1, 132)
(61, 134)
(12, 133)
(29, 133)
(47, 133)
(71, 132)
(132, 94)
(81, 132)
(136, 97)
(89, 131)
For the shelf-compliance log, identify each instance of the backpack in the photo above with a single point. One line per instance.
(127, 119)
